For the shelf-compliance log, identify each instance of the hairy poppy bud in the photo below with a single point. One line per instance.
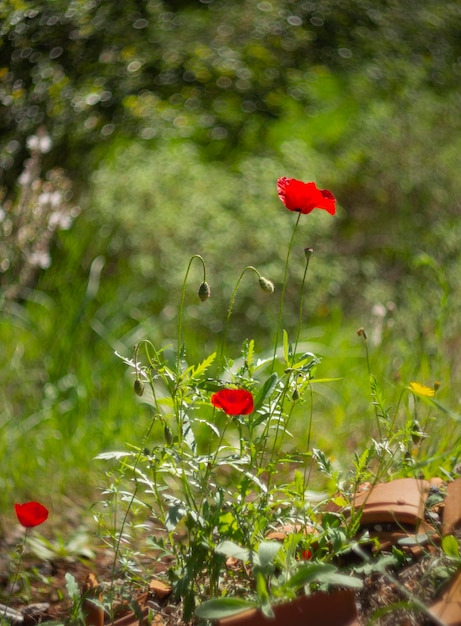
(266, 285)
(138, 387)
(308, 253)
(204, 291)
(168, 435)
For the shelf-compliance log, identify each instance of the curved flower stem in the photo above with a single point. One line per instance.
(15, 578)
(229, 313)
(282, 297)
(181, 306)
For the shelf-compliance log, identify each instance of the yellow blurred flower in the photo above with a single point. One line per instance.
(422, 390)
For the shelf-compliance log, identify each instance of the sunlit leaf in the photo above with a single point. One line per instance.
(219, 608)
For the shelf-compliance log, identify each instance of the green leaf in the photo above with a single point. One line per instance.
(286, 351)
(202, 367)
(250, 353)
(267, 551)
(342, 580)
(261, 588)
(229, 548)
(72, 587)
(174, 515)
(107, 456)
(417, 540)
(323, 573)
(219, 608)
(308, 573)
(266, 389)
(450, 546)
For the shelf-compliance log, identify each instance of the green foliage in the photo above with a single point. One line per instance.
(366, 124)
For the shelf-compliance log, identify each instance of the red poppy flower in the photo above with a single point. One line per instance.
(31, 514)
(304, 197)
(233, 401)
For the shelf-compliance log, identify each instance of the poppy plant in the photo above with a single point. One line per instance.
(304, 197)
(31, 514)
(233, 401)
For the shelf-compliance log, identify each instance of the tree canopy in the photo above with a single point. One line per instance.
(215, 72)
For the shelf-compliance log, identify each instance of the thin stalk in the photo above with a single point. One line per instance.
(130, 503)
(361, 332)
(282, 297)
(306, 479)
(181, 306)
(229, 313)
(15, 578)
(308, 254)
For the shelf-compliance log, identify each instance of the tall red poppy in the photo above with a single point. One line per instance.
(304, 197)
(233, 401)
(31, 514)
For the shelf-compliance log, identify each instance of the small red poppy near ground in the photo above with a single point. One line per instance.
(233, 401)
(304, 197)
(31, 514)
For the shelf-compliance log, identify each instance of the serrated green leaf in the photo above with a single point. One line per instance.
(250, 352)
(197, 370)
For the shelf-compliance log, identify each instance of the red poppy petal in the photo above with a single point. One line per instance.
(304, 197)
(233, 401)
(31, 514)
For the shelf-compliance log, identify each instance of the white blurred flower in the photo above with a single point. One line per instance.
(40, 259)
(39, 143)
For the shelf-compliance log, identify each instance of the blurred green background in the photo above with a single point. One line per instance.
(134, 135)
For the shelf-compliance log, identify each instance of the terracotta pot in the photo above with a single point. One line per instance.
(318, 609)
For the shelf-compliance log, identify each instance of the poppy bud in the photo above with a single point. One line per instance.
(204, 291)
(138, 387)
(295, 395)
(417, 433)
(168, 435)
(266, 285)
(308, 253)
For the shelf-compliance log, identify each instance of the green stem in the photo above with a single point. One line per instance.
(361, 332)
(181, 306)
(282, 297)
(15, 578)
(229, 313)
(130, 503)
(306, 479)
(308, 253)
